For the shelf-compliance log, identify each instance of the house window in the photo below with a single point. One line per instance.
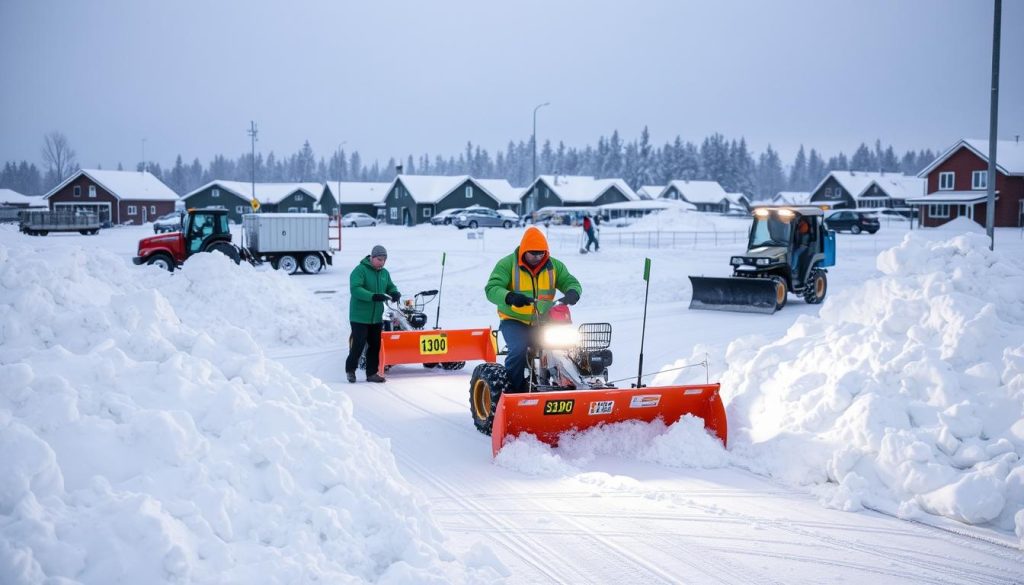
(92, 191)
(979, 180)
(152, 209)
(303, 210)
(77, 191)
(426, 212)
(469, 191)
(938, 211)
(393, 212)
(215, 193)
(131, 210)
(946, 181)
(293, 210)
(240, 209)
(298, 196)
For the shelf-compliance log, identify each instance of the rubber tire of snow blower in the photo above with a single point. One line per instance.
(431, 365)
(817, 287)
(488, 383)
(452, 365)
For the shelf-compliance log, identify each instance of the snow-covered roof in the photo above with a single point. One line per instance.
(650, 191)
(266, 192)
(354, 192)
(700, 191)
(950, 197)
(793, 197)
(857, 183)
(501, 190)
(430, 188)
(1009, 155)
(648, 204)
(584, 189)
(898, 186)
(134, 185)
(12, 197)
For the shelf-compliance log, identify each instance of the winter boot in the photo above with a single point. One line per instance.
(351, 377)
(375, 378)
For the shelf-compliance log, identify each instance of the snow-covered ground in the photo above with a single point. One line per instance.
(194, 427)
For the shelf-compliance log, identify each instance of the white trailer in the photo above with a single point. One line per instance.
(289, 241)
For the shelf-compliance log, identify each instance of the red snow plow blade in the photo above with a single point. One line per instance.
(436, 345)
(550, 414)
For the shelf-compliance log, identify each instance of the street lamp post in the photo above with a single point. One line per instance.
(534, 140)
(337, 196)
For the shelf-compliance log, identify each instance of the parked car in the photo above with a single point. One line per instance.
(357, 219)
(511, 215)
(482, 217)
(446, 217)
(898, 213)
(167, 223)
(854, 222)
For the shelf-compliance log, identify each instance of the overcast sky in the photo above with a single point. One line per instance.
(394, 78)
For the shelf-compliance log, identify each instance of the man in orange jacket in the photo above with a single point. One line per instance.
(518, 280)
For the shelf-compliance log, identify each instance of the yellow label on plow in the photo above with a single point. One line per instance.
(433, 344)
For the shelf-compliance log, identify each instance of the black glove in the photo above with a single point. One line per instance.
(517, 299)
(379, 297)
(396, 296)
(571, 297)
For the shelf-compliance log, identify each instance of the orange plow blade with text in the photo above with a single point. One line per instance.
(547, 415)
(437, 345)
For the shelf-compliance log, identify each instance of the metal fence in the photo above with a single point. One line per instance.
(652, 239)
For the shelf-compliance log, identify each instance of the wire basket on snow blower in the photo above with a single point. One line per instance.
(595, 336)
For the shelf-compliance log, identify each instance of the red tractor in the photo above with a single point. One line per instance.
(202, 230)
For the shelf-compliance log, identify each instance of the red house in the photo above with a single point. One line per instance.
(118, 197)
(957, 184)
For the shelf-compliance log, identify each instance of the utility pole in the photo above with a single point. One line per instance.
(534, 140)
(993, 128)
(252, 134)
(143, 155)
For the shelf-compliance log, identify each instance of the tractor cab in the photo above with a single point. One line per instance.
(201, 227)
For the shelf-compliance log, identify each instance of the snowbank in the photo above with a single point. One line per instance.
(146, 438)
(905, 394)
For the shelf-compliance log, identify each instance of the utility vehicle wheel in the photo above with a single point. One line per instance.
(226, 249)
(453, 365)
(817, 287)
(288, 264)
(855, 230)
(780, 292)
(312, 263)
(161, 260)
(488, 383)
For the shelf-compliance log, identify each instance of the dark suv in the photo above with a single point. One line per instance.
(854, 222)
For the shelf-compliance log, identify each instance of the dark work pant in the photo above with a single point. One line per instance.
(517, 338)
(368, 336)
(592, 239)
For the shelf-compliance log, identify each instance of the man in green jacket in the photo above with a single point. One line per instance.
(527, 275)
(370, 285)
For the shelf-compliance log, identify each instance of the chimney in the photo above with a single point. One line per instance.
(398, 169)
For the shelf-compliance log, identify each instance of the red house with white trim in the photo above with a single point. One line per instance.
(118, 197)
(957, 184)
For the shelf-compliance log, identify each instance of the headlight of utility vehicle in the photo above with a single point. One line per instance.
(764, 261)
(736, 260)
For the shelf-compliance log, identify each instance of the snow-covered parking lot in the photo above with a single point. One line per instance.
(196, 426)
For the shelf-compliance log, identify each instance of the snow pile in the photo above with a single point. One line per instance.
(681, 219)
(905, 394)
(146, 438)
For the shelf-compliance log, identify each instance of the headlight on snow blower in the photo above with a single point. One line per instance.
(560, 337)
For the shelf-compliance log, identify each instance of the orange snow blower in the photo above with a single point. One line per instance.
(568, 388)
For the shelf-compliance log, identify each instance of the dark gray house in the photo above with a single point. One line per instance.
(367, 198)
(574, 191)
(414, 199)
(236, 197)
(706, 196)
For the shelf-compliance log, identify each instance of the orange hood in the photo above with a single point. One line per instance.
(533, 239)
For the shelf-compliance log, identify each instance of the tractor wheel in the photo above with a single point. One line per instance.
(488, 383)
(161, 260)
(816, 287)
(312, 263)
(288, 264)
(226, 249)
(780, 292)
(453, 365)
(855, 230)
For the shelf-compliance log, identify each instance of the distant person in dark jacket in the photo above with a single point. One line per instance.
(370, 286)
(591, 231)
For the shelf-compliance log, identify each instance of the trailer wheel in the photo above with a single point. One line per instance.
(488, 383)
(287, 263)
(816, 288)
(42, 232)
(312, 263)
(780, 292)
(161, 260)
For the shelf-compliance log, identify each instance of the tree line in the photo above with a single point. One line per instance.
(638, 162)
